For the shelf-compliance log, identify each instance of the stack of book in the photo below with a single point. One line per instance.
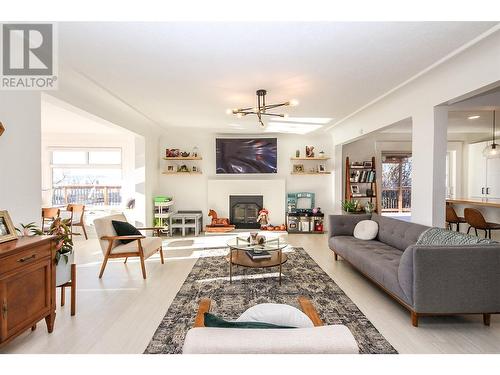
(258, 255)
(362, 176)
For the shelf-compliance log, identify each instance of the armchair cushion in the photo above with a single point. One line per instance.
(122, 228)
(149, 246)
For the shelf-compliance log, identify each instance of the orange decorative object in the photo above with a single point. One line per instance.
(216, 221)
(218, 224)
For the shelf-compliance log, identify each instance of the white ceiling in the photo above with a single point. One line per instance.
(188, 74)
(458, 122)
(61, 118)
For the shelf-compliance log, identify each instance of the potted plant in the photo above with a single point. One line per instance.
(64, 245)
(349, 206)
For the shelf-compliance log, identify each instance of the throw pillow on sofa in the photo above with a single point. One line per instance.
(366, 230)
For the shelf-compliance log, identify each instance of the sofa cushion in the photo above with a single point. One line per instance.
(377, 260)
(366, 230)
(397, 233)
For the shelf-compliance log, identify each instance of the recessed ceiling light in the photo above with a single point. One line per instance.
(473, 117)
(305, 120)
(292, 128)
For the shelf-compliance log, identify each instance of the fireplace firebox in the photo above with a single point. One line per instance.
(244, 210)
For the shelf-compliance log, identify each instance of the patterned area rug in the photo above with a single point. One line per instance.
(209, 278)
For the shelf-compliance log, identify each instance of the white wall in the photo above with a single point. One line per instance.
(191, 192)
(20, 177)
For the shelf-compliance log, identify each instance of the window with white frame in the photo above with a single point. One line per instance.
(90, 176)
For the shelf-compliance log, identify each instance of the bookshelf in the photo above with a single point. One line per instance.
(361, 176)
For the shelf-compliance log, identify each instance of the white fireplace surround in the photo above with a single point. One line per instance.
(272, 191)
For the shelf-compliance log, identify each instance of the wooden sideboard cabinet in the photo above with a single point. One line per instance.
(27, 285)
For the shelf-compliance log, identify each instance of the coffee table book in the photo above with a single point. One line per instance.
(258, 255)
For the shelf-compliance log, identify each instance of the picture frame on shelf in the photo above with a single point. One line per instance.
(367, 164)
(7, 229)
(183, 168)
(321, 168)
(298, 168)
(170, 169)
(309, 151)
(354, 189)
(194, 169)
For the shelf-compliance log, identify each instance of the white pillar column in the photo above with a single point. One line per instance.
(429, 163)
(338, 178)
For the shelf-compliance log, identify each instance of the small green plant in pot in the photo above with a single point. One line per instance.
(349, 205)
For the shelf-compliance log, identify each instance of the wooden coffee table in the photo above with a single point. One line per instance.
(237, 255)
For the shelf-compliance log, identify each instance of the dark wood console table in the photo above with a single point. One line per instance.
(27, 285)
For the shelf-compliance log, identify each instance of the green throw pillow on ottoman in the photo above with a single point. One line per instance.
(214, 321)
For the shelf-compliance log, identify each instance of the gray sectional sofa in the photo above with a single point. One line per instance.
(427, 280)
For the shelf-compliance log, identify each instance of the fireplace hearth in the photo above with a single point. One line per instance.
(244, 210)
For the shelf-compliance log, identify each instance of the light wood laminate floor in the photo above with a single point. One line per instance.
(120, 312)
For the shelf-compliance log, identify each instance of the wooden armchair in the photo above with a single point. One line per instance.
(305, 304)
(315, 339)
(112, 247)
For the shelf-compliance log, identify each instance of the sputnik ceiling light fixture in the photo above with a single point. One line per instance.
(262, 108)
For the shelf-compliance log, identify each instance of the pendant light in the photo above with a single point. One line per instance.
(493, 150)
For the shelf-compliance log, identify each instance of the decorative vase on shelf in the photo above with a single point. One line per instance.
(195, 151)
(297, 154)
(321, 154)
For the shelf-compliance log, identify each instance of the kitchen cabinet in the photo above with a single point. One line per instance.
(483, 174)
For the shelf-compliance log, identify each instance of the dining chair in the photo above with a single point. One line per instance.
(49, 214)
(77, 213)
(453, 218)
(476, 220)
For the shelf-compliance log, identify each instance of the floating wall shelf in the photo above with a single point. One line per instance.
(182, 158)
(310, 173)
(184, 173)
(314, 158)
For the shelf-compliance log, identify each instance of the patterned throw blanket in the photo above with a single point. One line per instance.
(444, 237)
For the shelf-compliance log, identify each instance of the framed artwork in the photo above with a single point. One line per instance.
(322, 168)
(354, 189)
(170, 168)
(7, 230)
(367, 164)
(298, 168)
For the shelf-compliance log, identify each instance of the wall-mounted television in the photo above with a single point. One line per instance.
(246, 155)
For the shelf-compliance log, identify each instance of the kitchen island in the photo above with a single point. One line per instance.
(489, 207)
